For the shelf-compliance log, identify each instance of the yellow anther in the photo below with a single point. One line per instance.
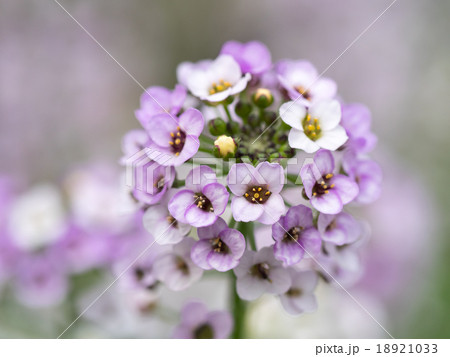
(172, 135)
(227, 84)
(178, 134)
(317, 127)
(170, 142)
(308, 117)
(212, 91)
(322, 183)
(256, 195)
(177, 153)
(267, 193)
(326, 191)
(310, 127)
(328, 176)
(313, 133)
(254, 189)
(260, 200)
(253, 199)
(325, 186)
(332, 185)
(259, 189)
(314, 194)
(177, 141)
(316, 120)
(246, 195)
(220, 88)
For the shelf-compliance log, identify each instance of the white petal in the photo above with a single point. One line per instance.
(332, 139)
(328, 112)
(299, 140)
(292, 113)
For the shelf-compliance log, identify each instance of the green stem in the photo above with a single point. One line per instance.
(206, 139)
(206, 149)
(238, 308)
(247, 229)
(228, 112)
(294, 179)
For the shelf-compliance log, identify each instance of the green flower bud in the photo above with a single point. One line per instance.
(243, 109)
(233, 128)
(262, 98)
(253, 120)
(217, 127)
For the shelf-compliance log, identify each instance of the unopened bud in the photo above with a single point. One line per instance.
(262, 97)
(225, 146)
(217, 127)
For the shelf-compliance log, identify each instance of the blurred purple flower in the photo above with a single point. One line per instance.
(133, 142)
(203, 200)
(339, 229)
(219, 247)
(159, 100)
(197, 322)
(257, 192)
(294, 234)
(300, 297)
(327, 191)
(253, 57)
(259, 273)
(356, 119)
(176, 269)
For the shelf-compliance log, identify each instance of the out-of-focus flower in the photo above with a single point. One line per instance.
(37, 218)
(338, 229)
(133, 142)
(257, 192)
(158, 221)
(219, 247)
(259, 273)
(356, 120)
(253, 57)
(367, 174)
(316, 127)
(300, 296)
(159, 100)
(175, 140)
(300, 79)
(214, 81)
(176, 269)
(198, 322)
(327, 191)
(203, 200)
(294, 234)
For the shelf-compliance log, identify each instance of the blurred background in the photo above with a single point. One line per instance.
(65, 102)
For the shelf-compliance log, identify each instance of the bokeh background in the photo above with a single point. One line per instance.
(64, 101)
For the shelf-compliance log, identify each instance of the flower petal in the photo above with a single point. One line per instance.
(328, 112)
(329, 203)
(192, 122)
(244, 211)
(199, 218)
(273, 175)
(333, 139)
(218, 195)
(345, 187)
(239, 177)
(299, 140)
(273, 209)
(293, 113)
(179, 204)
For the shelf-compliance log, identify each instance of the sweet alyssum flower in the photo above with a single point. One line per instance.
(158, 221)
(176, 269)
(257, 192)
(314, 127)
(216, 80)
(328, 192)
(175, 139)
(203, 200)
(294, 234)
(253, 57)
(219, 247)
(338, 229)
(300, 79)
(197, 322)
(258, 273)
(159, 100)
(356, 120)
(300, 297)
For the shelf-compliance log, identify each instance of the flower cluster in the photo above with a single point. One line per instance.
(237, 125)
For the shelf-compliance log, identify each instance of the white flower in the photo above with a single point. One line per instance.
(37, 218)
(316, 127)
(214, 80)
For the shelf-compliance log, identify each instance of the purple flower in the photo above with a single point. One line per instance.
(162, 225)
(356, 120)
(257, 192)
(300, 296)
(341, 262)
(219, 247)
(367, 174)
(176, 269)
(159, 100)
(39, 280)
(338, 229)
(198, 322)
(327, 191)
(175, 140)
(300, 79)
(259, 273)
(253, 57)
(151, 181)
(316, 127)
(133, 142)
(203, 200)
(294, 234)
(214, 81)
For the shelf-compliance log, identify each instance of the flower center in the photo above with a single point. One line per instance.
(177, 141)
(311, 127)
(216, 88)
(159, 185)
(293, 233)
(204, 331)
(257, 194)
(203, 202)
(261, 270)
(322, 187)
(304, 92)
(219, 246)
(172, 221)
(181, 265)
(294, 292)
